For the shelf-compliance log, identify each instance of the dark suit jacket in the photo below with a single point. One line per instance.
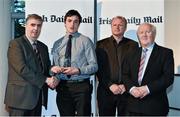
(25, 77)
(159, 75)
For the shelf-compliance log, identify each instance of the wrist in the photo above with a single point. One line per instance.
(79, 71)
(46, 81)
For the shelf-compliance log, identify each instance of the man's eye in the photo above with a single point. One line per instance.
(33, 25)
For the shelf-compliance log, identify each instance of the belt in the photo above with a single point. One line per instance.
(74, 81)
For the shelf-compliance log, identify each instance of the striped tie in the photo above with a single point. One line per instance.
(142, 63)
(35, 48)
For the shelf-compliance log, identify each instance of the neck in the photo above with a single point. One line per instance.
(118, 38)
(32, 39)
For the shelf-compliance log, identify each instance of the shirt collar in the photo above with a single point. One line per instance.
(150, 47)
(114, 40)
(117, 40)
(31, 42)
(73, 34)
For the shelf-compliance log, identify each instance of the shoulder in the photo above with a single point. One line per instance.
(85, 40)
(42, 44)
(163, 51)
(17, 41)
(130, 41)
(103, 42)
(57, 42)
(83, 37)
(162, 48)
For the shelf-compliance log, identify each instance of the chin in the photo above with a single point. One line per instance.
(73, 31)
(35, 37)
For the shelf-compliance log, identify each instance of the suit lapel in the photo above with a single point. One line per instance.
(152, 58)
(29, 48)
(40, 49)
(27, 43)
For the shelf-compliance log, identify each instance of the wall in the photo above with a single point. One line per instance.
(172, 40)
(172, 29)
(5, 29)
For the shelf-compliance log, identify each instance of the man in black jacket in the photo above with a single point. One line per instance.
(111, 52)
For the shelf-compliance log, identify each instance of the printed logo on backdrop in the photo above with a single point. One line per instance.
(60, 19)
(107, 20)
(135, 20)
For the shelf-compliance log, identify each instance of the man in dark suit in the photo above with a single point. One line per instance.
(110, 53)
(148, 75)
(28, 73)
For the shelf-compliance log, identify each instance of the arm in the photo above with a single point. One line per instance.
(167, 74)
(126, 74)
(90, 64)
(103, 73)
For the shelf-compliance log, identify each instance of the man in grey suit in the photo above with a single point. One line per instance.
(28, 73)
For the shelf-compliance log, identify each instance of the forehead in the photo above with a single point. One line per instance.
(33, 21)
(117, 20)
(145, 27)
(74, 17)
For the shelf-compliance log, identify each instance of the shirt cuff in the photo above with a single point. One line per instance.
(147, 89)
(131, 89)
(79, 71)
(51, 73)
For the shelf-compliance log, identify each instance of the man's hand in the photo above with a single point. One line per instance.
(115, 89)
(122, 87)
(144, 91)
(71, 71)
(140, 92)
(135, 92)
(52, 82)
(57, 69)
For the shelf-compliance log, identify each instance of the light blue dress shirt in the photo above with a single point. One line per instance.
(82, 56)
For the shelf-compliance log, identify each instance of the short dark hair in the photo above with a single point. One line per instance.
(72, 13)
(34, 16)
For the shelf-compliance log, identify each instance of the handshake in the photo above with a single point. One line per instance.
(52, 82)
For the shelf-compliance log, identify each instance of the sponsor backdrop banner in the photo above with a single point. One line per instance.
(135, 11)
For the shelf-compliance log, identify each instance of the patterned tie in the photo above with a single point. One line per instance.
(67, 62)
(35, 48)
(142, 63)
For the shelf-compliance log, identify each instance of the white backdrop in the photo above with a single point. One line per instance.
(135, 11)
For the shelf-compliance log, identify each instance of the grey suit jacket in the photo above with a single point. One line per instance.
(25, 77)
